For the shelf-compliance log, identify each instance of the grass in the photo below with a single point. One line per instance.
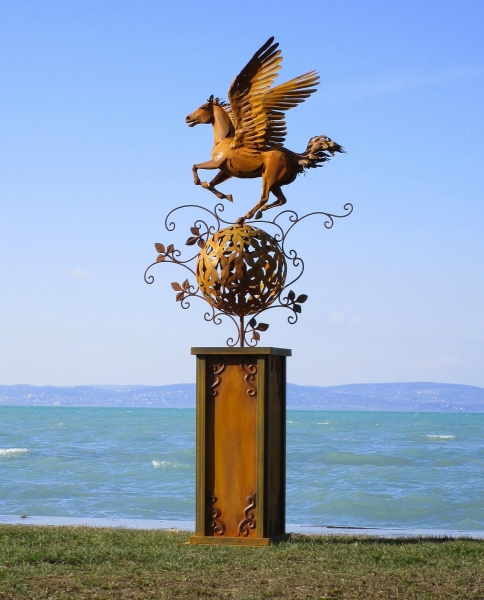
(82, 562)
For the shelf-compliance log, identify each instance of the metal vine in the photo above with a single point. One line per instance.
(248, 331)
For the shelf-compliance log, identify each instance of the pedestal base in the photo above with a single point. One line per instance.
(241, 446)
(237, 541)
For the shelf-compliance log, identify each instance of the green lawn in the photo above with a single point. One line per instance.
(82, 562)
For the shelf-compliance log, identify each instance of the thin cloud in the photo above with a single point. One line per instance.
(338, 317)
(443, 361)
(79, 274)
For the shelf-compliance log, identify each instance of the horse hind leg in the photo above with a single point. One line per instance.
(262, 206)
(219, 178)
(266, 186)
(281, 199)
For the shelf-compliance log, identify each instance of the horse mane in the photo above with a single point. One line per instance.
(225, 105)
(217, 101)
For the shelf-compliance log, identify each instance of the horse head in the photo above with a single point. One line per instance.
(203, 115)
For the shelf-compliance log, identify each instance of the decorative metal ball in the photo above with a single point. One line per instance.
(241, 270)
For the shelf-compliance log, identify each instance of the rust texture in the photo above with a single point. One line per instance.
(241, 432)
(241, 270)
(230, 452)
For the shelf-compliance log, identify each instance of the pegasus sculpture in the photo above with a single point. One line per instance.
(250, 131)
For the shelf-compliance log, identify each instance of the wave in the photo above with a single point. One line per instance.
(377, 460)
(325, 423)
(12, 451)
(440, 437)
(163, 464)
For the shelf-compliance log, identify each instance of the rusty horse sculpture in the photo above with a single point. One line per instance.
(249, 133)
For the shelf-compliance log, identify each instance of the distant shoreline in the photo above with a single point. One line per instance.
(289, 409)
(394, 397)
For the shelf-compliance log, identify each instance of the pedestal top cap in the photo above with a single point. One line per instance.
(244, 350)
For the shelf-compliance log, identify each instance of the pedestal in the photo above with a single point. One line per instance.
(241, 446)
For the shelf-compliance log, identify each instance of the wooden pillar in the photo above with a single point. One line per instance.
(241, 446)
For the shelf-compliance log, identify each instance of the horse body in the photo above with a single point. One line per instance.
(249, 134)
(277, 166)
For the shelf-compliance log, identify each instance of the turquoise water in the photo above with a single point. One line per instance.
(369, 469)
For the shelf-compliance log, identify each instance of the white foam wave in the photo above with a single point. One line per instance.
(323, 423)
(441, 437)
(163, 464)
(12, 451)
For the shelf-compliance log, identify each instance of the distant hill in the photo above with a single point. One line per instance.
(417, 397)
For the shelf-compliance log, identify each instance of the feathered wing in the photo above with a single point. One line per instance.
(282, 98)
(248, 89)
(258, 109)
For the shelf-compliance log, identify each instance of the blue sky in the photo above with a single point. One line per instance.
(94, 151)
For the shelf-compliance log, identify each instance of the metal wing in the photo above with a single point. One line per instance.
(258, 110)
(247, 92)
(282, 98)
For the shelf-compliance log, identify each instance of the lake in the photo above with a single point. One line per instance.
(365, 469)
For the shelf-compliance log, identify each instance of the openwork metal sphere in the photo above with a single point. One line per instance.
(241, 270)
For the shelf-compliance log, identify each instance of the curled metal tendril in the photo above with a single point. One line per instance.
(247, 332)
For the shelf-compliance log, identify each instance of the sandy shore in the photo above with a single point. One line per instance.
(190, 526)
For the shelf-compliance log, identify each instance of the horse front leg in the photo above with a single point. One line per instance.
(208, 164)
(219, 178)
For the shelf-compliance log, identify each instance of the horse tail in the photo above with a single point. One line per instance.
(320, 149)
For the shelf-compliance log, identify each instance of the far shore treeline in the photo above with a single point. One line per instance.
(416, 397)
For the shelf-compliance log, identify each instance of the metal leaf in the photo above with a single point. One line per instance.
(160, 257)
(180, 296)
(255, 335)
(201, 242)
(191, 241)
(170, 248)
(302, 298)
(262, 327)
(297, 308)
(195, 231)
(252, 322)
(186, 284)
(160, 248)
(176, 286)
(291, 296)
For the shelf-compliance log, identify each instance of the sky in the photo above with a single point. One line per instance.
(94, 151)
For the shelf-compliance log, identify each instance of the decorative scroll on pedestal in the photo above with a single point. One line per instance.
(217, 524)
(217, 370)
(251, 371)
(249, 522)
(241, 270)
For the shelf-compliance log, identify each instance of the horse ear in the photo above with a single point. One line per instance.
(211, 99)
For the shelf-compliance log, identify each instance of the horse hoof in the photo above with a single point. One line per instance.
(229, 197)
(258, 214)
(240, 220)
